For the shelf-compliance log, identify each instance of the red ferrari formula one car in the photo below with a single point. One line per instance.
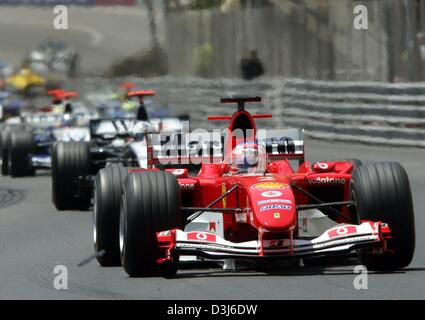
(249, 202)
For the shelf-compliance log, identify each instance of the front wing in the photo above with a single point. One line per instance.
(340, 239)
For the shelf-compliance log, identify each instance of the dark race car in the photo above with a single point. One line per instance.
(75, 164)
(27, 139)
(118, 140)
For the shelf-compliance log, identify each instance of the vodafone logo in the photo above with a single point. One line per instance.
(164, 233)
(323, 165)
(178, 172)
(271, 194)
(326, 180)
(187, 186)
(201, 236)
(342, 231)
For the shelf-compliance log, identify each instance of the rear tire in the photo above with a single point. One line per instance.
(150, 203)
(382, 193)
(22, 146)
(106, 214)
(70, 160)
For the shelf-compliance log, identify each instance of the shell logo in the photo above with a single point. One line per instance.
(270, 185)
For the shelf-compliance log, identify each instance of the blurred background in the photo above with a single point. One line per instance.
(302, 56)
(312, 39)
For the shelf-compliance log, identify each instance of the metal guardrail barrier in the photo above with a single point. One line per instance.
(364, 112)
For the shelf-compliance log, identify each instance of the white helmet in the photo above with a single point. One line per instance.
(248, 158)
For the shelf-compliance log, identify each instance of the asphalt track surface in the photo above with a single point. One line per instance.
(34, 238)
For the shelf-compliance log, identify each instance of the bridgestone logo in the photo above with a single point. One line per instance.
(326, 180)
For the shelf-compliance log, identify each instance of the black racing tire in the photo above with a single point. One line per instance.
(5, 148)
(150, 203)
(108, 187)
(22, 146)
(70, 160)
(382, 192)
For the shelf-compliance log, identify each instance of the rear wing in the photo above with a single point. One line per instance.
(283, 144)
(124, 125)
(202, 146)
(59, 94)
(240, 102)
(141, 94)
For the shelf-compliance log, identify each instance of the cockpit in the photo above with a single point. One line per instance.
(247, 158)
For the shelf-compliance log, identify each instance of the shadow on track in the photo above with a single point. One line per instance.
(340, 267)
(10, 197)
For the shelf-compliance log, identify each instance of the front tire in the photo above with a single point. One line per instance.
(70, 160)
(150, 203)
(382, 193)
(106, 214)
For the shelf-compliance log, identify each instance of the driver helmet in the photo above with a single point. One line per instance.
(248, 158)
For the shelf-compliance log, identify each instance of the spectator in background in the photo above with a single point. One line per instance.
(251, 66)
(203, 60)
